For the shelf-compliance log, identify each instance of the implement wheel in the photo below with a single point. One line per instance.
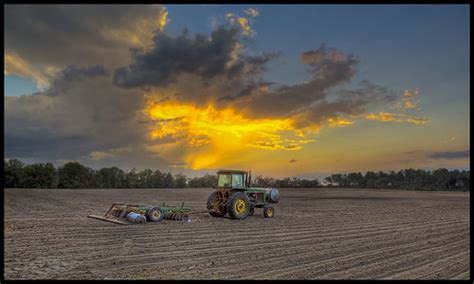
(213, 205)
(155, 214)
(238, 205)
(268, 211)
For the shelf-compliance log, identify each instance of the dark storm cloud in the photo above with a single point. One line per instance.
(369, 92)
(46, 145)
(255, 65)
(55, 36)
(321, 55)
(73, 74)
(310, 100)
(81, 112)
(329, 66)
(450, 155)
(205, 56)
(246, 92)
(327, 70)
(349, 102)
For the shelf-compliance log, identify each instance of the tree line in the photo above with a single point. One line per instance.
(75, 175)
(411, 179)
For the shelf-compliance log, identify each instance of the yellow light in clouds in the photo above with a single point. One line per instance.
(163, 19)
(397, 117)
(337, 121)
(214, 137)
(244, 23)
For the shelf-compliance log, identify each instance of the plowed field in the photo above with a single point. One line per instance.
(315, 234)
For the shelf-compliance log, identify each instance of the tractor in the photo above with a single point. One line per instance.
(235, 196)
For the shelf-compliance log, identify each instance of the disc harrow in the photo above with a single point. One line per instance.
(177, 216)
(121, 213)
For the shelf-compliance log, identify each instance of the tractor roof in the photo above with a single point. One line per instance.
(231, 172)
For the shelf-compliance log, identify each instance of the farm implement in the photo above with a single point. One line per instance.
(121, 213)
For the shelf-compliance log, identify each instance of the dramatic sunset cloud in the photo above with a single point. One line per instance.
(128, 86)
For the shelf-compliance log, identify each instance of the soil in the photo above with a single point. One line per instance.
(315, 234)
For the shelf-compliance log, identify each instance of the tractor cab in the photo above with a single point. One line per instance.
(232, 179)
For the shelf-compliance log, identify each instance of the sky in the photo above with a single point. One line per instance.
(283, 90)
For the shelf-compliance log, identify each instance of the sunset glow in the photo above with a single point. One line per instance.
(220, 132)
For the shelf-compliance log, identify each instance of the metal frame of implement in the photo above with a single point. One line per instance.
(117, 213)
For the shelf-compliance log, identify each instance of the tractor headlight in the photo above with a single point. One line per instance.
(274, 195)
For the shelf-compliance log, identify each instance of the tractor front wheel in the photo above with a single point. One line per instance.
(214, 207)
(268, 211)
(238, 205)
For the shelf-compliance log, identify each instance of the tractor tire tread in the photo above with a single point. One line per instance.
(210, 202)
(230, 205)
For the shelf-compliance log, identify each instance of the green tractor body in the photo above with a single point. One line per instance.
(234, 196)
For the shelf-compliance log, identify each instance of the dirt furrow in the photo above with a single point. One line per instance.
(237, 243)
(40, 246)
(380, 264)
(312, 267)
(210, 255)
(270, 259)
(427, 269)
(352, 252)
(99, 231)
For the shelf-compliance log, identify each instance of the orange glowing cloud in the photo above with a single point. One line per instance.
(337, 121)
(397, 117)
(163, 19)
(409, 101)
(244, 22)
(214, 134)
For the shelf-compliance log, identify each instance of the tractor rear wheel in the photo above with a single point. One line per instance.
(154, 214)
(238, 205)
(268, 211)
(213, 205)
